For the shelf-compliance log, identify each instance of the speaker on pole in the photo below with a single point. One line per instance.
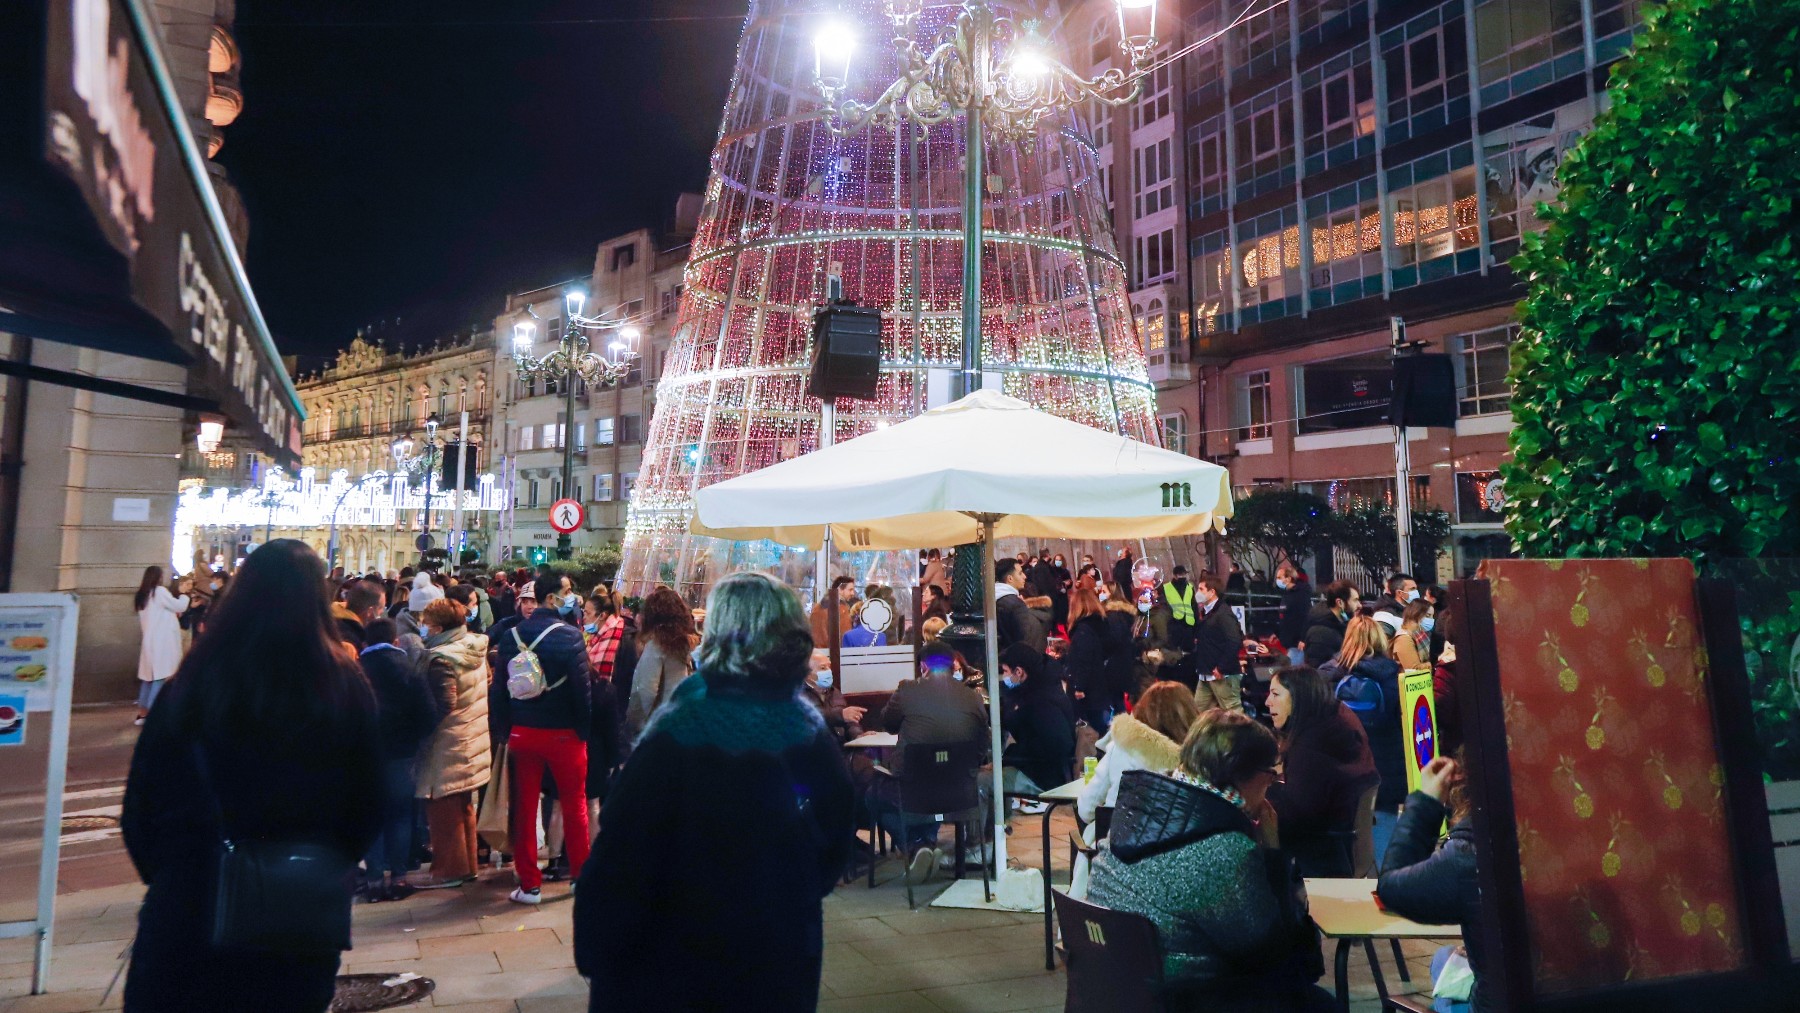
(1424, 391)
(846, 358)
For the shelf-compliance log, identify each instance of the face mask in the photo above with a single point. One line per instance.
(1427, 623)
(824, 678)
(1102, 596)
(1059, 562)
(1008, 682)
(1412, 595)
(1144, 607)
(1284, 585)
(592, 627)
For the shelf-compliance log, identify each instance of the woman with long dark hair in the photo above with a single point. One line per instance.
(665, 640)
(267, 733)
(739, 745)
(1326, 768)
(160, 654)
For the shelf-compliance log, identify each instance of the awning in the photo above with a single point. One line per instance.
(111, 236)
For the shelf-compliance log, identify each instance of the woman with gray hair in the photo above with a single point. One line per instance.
(735, 747)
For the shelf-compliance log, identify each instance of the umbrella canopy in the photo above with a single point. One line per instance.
(920, 482)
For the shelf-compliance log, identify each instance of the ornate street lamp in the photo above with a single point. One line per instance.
(405, 461)
(572, 358)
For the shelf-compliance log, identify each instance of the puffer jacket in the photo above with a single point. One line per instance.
(1232, 915)
(567, 703)
(458, 756)
(1433, 884)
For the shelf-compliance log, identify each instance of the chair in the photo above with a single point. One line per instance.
(940, 785)
(1102, 826)
(1115, 960)
(1363, 861)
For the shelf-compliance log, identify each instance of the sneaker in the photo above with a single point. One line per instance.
(138, 723)
(922, 867)
(399, 890)
(520, 895)
(970, 859)
(1033, 808)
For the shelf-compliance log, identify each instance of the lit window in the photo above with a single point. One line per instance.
(603, 432)
(1251, 405)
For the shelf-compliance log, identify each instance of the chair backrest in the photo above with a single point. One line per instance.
(1115, 959)
(1362, 850)
(1102, 822)
(941, 777)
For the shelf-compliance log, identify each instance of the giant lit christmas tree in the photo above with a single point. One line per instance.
(789, 205)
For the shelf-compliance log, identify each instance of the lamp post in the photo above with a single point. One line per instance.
(572, 358)
(404, 460)
(331, 541)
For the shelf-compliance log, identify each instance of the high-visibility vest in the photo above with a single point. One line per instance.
(1182, 607)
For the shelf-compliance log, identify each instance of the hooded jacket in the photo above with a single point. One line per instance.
(1129, 745)
(1230, 913)
(458, 756)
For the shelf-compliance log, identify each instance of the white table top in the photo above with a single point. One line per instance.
(1346, 908)
(1066, 793)
(874, 740)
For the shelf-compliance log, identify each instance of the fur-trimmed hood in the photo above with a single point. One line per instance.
(1115, 605)
(1152, 748)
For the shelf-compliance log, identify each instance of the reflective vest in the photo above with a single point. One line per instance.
(1181, 607)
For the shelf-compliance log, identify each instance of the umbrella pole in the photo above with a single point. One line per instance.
(993, 688)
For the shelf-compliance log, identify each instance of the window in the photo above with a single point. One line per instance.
(1102, 47)
(443, 400)
(671, 301)
(1099, 117)
(1206, 80)
(1427, 73)
(1251, 405)
(1206, 166)
(1614, 21)
(1259, 45)
(1155, 257)
(1339, 110)
(1323, 19)
(1106, 189)
(603, 432)
(1212, 281)
(1153, 177)
(623, 256)
(627, 482)
(1483, 358)
(1270, 266)
(1521, 161)
(527, 438)
(556, 489)
(551, 437)
(1344, 227)
(1265, 142)
(631, 429)
(1432, 202)
(580, 435)
(1174, 431)
(603, 488)
(1521, 45)
(1153, 330)
(1154, 103)
(531, 493)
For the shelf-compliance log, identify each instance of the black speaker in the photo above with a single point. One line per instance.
(450, 454)
(846, 358)
(1424, 391)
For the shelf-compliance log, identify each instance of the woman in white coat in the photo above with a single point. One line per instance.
(160, 655)
(1149, 738)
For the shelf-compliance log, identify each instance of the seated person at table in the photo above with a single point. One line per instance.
(821, 690)
(933, 709)
(1326, 767)
(1184, 852)
(1039, 716)
(1148, 738)
(1435, 883)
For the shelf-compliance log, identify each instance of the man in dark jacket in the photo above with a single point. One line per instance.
(1325, 623)
(1431, 884)
(1017, 623)
(1121, 571)
(933, 709)
(1217, 641)
(1040, 719)
(1296, 602)
(547, 732)
(408, 713)
(500, 596)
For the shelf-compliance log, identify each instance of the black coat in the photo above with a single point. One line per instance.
(1324, 635)
(1121, 649)
(1296, 602)
(409, 713)
(1217, 641)
(1434, 884)
(1121, 574)
(1325, 771)
(563, 654)
(667, 920)
(1086, 661)
(322, 786)
(1018, 624)
(1042, 723)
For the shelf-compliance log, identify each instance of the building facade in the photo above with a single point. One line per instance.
(372, 396)
(636, 282)
(1332, 165)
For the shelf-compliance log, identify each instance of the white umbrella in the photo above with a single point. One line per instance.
(985, 467)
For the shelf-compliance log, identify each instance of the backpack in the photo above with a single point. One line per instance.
(1364, 697)
(525, 673)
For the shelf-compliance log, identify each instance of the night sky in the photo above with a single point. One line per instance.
(420, 159)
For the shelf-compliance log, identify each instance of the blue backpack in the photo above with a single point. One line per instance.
(1365, 698)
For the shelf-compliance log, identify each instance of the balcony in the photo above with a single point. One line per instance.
(1166, 373)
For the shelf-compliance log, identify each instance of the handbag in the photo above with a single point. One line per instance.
(494, 821)
(282, 896)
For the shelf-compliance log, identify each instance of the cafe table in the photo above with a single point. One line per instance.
(1061, 795)
(874, 740)
(1345, 910)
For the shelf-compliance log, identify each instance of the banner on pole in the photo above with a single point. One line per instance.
(1418, 719)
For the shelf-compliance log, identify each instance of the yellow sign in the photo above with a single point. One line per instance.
(1418, 722)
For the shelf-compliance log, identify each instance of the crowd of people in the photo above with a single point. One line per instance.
(430, 728)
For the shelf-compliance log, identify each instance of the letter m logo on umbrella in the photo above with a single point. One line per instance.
(1176, 495)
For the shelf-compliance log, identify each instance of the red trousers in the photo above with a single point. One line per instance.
(561, 751)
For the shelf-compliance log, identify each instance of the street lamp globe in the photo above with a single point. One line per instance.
(402, 449)
(1028, 61)
(1137, 26)
(574, 298)
(431, 428)
(524, 337)
(832, 45)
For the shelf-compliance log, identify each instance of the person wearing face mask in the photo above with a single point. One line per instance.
(1217, 641)
(1325, 623)
(1296, 602)
(1402, 591)
(1411, 646)
(1038, 715)
(1016, 621)
(1173, 623)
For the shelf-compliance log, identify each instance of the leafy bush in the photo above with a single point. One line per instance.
(1369, 532)
(1279, 523)
(1656, 383)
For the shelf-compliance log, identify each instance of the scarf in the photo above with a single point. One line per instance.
(603, 647)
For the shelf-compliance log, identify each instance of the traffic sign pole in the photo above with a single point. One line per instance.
(566, 516)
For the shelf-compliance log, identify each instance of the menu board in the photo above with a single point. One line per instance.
(28, 645)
